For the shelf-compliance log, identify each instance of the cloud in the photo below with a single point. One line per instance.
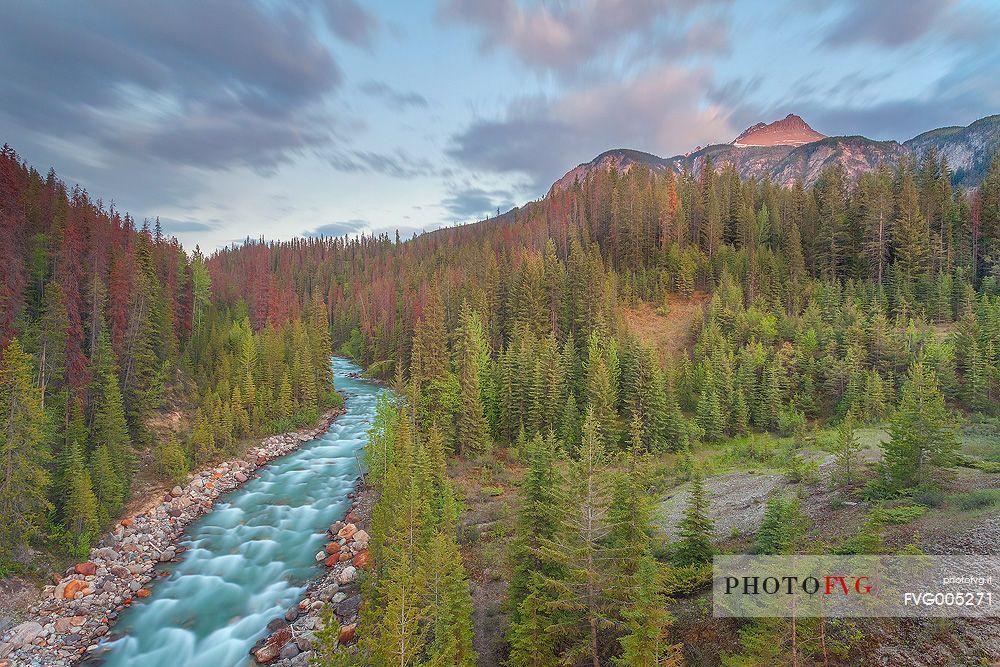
(183, 226)
(896, 23)
(350, 22)
(398, 164)
(566, 37)
(208, 84)
(477, 203)
(660, 111)
(396, 99)
(340, 228)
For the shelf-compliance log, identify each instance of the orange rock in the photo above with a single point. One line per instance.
(217, 475)
(347, 532)
(126, 522)
(73, 587)
(209, 485)
(332, 547)
(352, 517)
(347, 633)
(86, 569)
(142, 593)
(331, 560)
(362, 560)
(344, 556)
(127, 601)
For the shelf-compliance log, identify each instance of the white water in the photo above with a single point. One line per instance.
(251, 557)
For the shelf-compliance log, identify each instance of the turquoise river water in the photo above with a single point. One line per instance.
(251, 557)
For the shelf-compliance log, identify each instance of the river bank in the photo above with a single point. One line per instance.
(79, 608)
(291, 641)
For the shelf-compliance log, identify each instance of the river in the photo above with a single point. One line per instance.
(250, 558)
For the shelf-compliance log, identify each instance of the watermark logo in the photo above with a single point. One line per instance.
(856, 586)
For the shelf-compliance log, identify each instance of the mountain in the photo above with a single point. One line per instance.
(789, 131)
(789, 150)
(969, 150)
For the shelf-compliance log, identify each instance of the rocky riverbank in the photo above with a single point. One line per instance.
(80, 607)
(291, 641)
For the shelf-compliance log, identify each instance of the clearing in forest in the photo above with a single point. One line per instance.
(672, 332)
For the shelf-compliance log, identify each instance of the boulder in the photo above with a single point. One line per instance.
(362, 560)
(87, 569)
(25, 634)
(240, 477)
(142, 593)
(289, 651)
(332, 548)
(332, 560)
(348, 575)
(361, 539)
(72, 587)
(276, 624)
(347, 633)
(320, 555)
(347, 532)
(270, 650)
(176, 491)
(292, 614)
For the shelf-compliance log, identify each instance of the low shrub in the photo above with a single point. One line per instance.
(976, 500)
(680, 580)
(899, 515)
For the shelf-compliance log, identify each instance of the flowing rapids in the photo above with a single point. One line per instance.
(251, 557)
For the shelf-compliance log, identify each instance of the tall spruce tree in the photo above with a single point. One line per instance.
(921, 431)
(23, 458)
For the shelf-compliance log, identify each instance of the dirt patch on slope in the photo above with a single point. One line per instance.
(671, 333)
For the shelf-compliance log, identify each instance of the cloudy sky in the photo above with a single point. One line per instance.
(236, 118)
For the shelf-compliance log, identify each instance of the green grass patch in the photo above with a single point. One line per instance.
(899, 515)
(493, 490)
(976, 500)
(979, 438)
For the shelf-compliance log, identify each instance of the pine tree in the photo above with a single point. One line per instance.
(112, 460)
(537, 519)
(642, 610)
(569, 424)
(471, 427)
(709, 413)
(23, 477)
(171, 460)
(450, 604)
(921, 434)
(846, 451)
(579, 591)
(782, 527)
(695, 528)
(79, 503)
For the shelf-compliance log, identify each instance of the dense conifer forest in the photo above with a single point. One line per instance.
(106, 327)
(508, 343)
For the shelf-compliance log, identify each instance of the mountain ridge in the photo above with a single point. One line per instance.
(968, 149)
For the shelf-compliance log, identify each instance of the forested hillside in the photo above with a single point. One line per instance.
(871, 303)
(105, 325)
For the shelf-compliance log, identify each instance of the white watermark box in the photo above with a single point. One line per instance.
(856, 586)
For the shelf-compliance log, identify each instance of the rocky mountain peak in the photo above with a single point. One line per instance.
(789, 131)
